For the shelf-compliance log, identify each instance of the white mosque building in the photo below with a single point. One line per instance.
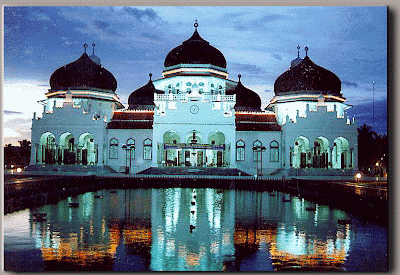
(195, 117)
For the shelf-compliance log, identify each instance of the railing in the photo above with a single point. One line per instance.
(184, 97)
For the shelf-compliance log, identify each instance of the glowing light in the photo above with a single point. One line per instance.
(19, 169)
(358, 176)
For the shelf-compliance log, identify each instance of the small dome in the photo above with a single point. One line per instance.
(143, 98)
(82, 73)
(295, 62)
(246, 99)
(195, 50)
(95, 59)
(309, 78)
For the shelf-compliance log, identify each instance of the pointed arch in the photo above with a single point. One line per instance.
(87, 149)
(240, 150)
(341, 156)
(274, 151)
(67, 149)
(48, 148)
(300, 154)
(113, 148)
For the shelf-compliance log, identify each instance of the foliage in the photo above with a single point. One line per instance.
(372, 148)
(17, 155)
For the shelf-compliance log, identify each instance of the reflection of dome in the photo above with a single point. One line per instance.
(195, 50)
(144, 96)
(83, 73)
(246, 99)
(306, 77)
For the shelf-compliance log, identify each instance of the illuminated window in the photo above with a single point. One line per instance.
(188, 84)
(274, 151)
(257, 153)
(147, 145)
(240, 150)
(201, 84)
(113, 148)
(131, 143)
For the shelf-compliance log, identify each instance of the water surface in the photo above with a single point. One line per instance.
(182, 229)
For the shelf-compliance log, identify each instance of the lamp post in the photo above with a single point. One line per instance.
(128, 147)
(259, 149)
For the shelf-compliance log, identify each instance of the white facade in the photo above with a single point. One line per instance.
(194, 123)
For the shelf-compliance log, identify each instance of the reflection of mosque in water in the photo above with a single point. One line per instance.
(179, 229)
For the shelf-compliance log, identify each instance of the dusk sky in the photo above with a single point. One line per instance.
(258, 42)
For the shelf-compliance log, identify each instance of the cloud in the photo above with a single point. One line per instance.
(101, 24)
(140, 14)
(15, 123)
(7, 112)
(248, 69)
(277, 56)
(349, 84)
(273, 17)
(38, 16)
(364, 114)
(151, 37)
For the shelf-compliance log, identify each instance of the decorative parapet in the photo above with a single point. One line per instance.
(204, 97)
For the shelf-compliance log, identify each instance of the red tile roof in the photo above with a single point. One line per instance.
(256, 122)
(131, 120)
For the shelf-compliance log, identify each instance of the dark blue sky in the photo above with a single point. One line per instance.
(258, 42)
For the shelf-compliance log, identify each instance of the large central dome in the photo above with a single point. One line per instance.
(195, 50)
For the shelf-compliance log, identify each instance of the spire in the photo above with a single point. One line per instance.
(306, 49)
(298, 50)
(196, 24)
(239, 76)
(85, 46)
(150, 75)
(93, 46)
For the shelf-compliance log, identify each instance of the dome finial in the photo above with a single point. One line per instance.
(93, 46)
(150, 75)
(85, 46)
(196, 24)
(239, 76)
(298, 50)
(306, 49)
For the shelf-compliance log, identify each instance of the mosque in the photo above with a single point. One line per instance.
(195, 117)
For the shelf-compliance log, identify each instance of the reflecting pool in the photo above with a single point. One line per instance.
(182, 229)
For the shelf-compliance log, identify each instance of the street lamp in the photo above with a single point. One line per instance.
(259, 149)
(358, 176)
(128, 147)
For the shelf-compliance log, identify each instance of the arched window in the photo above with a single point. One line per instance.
(147, 145)
(131, 143)
(274, 151)
(113, 148)
(257, 153)
(240, 150)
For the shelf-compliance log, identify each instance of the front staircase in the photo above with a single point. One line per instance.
(218, 171)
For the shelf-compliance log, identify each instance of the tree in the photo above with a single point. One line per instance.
(372, 148)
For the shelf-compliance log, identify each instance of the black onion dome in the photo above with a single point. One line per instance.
(246, 99)
(195, 50)
(83, 73)
(307, 76)
(144, 96)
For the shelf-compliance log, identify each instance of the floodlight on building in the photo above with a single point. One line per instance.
(19, 169)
